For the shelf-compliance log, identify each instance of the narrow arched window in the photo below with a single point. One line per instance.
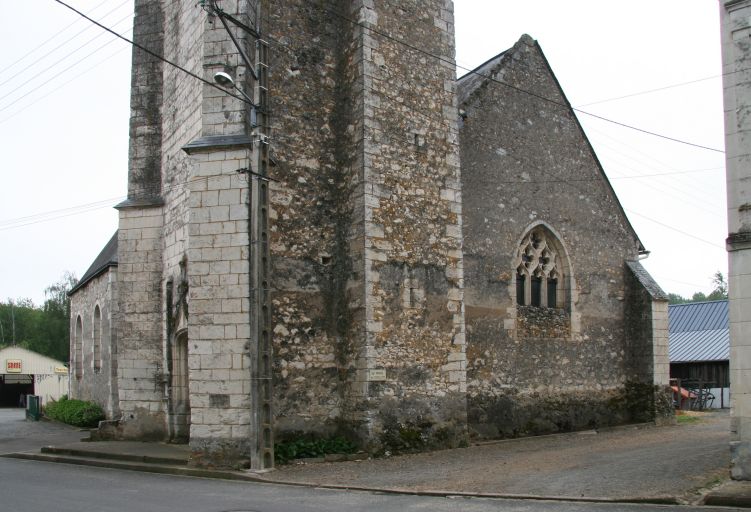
(78, 348)
(97, 339)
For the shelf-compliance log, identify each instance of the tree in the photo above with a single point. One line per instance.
(674, 298)
(42, 329)
(719, 292)
(720, 287)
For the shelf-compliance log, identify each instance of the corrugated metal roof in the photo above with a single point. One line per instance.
(699, 331)
(698, 316)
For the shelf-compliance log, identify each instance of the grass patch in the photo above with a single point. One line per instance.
(78, 413)
(686, 417)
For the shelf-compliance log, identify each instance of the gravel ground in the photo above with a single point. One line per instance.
(621, 463)
(19, 435)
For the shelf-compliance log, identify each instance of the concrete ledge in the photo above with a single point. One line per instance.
(731, 494)
(217, 142)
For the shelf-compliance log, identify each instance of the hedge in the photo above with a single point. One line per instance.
(74, 412)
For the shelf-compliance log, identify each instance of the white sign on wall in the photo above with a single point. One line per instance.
(13, 366)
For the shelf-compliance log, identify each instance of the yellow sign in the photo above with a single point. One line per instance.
(12, 366)
(61, 369)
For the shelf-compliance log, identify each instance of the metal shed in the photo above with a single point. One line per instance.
(23, 372)
(700, 346)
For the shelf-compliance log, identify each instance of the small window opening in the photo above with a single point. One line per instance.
(520, 278)
(536, 299)
(552, 293)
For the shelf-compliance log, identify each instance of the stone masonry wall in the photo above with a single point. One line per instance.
(413, 227)
(139, 324)
(365, 222)
(316, 280)
(99, 382)
(647, 348)
(218, 248)
(735, 24)
(526, 162)
(183, 44)
(181, 122)
(139, 316)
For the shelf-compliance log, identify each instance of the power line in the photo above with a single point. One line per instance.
(671, 173)
(71, 66)
(505, 84)
(37, 99)
(57, 214)
(41, 45)
(49, 68)
(154, 54)
(657, 89)
(421, 51)
(630, 153)
(675, 229)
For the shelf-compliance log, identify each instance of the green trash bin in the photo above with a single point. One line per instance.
(33, 407)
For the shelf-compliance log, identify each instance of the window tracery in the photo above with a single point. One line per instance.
(538, 272)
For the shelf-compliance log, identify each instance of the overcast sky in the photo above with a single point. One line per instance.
(655, 65)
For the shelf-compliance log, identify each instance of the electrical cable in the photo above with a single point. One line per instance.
(417, 49)
(41, 45)
(505, 84)
(658, 89)
(43, 84)
(154, 54)
(59, 62)
(75, 77)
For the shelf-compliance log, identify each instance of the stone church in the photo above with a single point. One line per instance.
(326, 233)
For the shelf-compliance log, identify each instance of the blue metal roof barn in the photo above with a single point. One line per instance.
(699, 332)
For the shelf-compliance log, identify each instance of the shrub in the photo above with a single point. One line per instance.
(301, 448)
(74, 412)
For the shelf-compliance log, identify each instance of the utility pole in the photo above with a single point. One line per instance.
(260, 350)
(13, 322)
(260, 262)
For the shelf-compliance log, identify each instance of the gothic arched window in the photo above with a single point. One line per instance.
(539, 271)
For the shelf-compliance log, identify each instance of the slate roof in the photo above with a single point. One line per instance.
(646, 280)
(698, 331)
(106, 259)
(470, 81)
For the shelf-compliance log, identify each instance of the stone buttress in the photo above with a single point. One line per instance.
(366, 223)
(138, 321)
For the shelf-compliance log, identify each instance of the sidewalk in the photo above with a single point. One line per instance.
(673, 464)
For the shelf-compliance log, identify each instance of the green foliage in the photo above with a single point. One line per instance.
(42, 329)
(307, 447)
(74, 412)
(720, 292)
(683, 419)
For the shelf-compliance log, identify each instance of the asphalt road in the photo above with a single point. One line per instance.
(42, 487)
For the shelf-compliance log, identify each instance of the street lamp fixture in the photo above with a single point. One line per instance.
(224, 80)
